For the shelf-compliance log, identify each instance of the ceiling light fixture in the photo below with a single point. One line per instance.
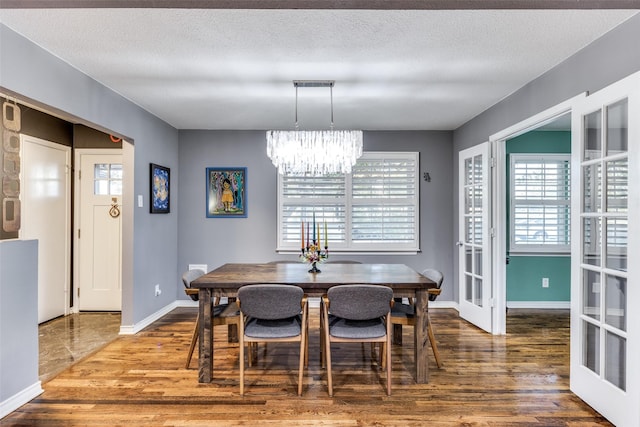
(314, 152)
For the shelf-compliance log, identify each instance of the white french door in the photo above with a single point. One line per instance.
(475, 240)
(605, 293)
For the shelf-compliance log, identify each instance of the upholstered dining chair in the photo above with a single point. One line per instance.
(272, 313)
(223, 314)
(404, 314)
(356, 314)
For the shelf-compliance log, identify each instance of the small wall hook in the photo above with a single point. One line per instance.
(426, 176)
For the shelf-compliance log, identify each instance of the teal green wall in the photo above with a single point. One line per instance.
(525, 273)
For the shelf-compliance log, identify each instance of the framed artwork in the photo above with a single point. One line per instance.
(160, 179)
(226, 192)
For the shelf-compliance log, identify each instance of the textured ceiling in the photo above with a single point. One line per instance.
(233, 69)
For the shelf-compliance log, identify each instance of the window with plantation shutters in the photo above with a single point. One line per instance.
(375, 208)
(540, 203)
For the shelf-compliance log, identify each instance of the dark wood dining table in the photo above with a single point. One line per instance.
(225, 280)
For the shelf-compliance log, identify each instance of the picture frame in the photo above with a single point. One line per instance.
(160, 188)
(226, 192)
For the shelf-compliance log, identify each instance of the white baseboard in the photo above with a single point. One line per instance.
(539, 304)
(137, 327)
(17, 400)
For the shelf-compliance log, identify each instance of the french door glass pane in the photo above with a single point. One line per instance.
(477, 170)
(478, 260)
(593, 136)
(617, 243)
(477, 201)
(591, 349)
(592, 180)
(478, 293)
(616, 302)
(591, 285)
(468, 172)
(468, 200)
(615, 356)
(591, 230)
(468, 259)
(617, 128)
(468, 228)
(617, 185)
(468, 287)
(477, 230)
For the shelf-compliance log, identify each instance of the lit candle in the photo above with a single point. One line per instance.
(302, 234)
(326, 236)
(314, 228)
(307, 235)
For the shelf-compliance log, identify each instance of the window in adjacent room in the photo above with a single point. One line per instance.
(375, 208)
(539, 214)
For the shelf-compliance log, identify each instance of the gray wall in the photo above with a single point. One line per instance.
(605, 61)
(18, 317)
(215, 241)
(150, 255)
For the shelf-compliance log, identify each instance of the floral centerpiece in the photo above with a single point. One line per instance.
(313, 253)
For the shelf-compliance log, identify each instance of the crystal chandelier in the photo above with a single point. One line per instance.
(316, 152)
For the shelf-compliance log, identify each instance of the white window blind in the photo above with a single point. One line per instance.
(373, 209)
(540, 203)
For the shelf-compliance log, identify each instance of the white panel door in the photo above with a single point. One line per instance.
(99, 238)
(475, 242)
(46, 207)
(605, 223)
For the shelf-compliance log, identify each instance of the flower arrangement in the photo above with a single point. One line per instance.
(313, 253)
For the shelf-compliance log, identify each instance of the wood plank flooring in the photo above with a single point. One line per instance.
(521, 379)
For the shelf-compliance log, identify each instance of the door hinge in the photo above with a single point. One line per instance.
(493, 162)
(78, 292)
(492, 232)
(78, 233)
(79, 174)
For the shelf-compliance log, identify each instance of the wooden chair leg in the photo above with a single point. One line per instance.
(303, 346)
(434, 345)
(194, 340)
(242, 366)
(387, 356)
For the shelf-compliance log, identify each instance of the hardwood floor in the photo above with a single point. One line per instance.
(521, 379)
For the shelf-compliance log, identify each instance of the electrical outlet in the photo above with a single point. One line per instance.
(158, 291)
(545, 282)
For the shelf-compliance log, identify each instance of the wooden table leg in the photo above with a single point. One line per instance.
(397, 334)
(421, 337)
(205, 350)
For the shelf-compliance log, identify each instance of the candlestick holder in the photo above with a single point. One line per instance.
(313, 254)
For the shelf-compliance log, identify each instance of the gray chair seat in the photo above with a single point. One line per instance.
(273, 328)
(356, 329)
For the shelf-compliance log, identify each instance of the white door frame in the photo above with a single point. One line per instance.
(76, 213)
(499, 179)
